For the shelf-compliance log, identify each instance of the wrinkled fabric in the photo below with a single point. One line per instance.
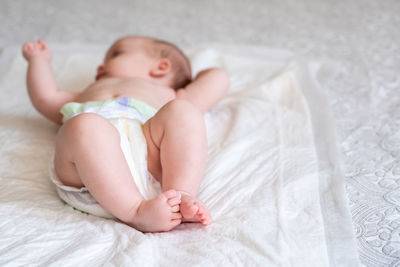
(271, 182)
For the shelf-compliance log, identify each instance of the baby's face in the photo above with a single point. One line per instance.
(126, 58)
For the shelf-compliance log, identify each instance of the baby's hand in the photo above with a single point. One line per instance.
(39, 49)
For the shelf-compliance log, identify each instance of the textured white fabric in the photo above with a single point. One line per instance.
(272, 202)
(360, 38)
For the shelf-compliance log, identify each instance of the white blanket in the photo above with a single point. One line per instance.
(272, 182)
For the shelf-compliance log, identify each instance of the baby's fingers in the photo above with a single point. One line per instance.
(42, 44)
(28, 49)
(40, 48)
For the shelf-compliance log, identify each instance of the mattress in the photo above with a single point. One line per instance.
(356, 41)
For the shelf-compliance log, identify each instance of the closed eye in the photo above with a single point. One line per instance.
(115, 54)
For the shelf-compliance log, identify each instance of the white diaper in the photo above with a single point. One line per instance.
(134, 147)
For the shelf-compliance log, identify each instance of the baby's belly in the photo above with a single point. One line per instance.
(114, 88)
(156, 101)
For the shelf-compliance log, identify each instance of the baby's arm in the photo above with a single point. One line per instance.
(209, 86)
(43, 91)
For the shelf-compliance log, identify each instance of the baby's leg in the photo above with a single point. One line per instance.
(177, 153)
(88, 153)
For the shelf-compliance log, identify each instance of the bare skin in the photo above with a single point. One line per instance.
(176, 138)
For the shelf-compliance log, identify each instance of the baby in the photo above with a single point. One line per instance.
(143, 97)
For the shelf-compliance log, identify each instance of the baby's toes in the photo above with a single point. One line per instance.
(203, 215)
(173, 201)
(175, 208)
(173, 223)
(176, 215)
(188, 209)
(170, 193)
(175, 219)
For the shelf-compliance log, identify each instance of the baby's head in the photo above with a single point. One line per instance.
(148, 58)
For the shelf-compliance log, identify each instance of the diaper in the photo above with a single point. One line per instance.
(124, 107)
(127, 115)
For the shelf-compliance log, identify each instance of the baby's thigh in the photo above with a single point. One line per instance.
(175, 117)
(78, 134)
(178, 119)
(165, 120)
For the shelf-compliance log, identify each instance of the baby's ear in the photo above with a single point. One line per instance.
(161, 68)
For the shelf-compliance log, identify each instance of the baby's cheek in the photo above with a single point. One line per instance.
(115, 69)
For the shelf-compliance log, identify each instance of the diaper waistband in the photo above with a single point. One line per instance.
(124, 107)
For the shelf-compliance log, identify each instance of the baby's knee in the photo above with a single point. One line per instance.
(180, 109)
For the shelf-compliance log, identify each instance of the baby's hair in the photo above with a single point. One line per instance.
(180, 63)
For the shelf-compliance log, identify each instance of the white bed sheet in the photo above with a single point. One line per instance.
(360, 37)
(272, 183)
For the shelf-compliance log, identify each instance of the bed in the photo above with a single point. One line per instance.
(312, 180)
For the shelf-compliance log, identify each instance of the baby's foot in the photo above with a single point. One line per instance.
(39, 49)
(193, 210)
(159, 214)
